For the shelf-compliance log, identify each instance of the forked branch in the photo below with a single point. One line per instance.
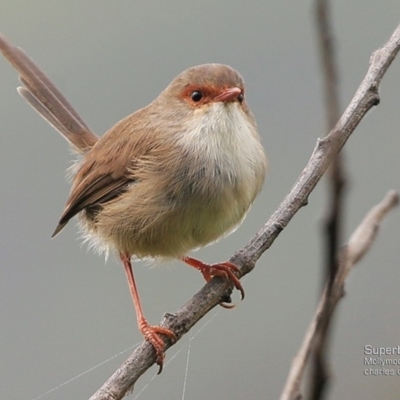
(360, 242)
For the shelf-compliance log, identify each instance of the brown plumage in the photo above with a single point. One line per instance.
(169, 178)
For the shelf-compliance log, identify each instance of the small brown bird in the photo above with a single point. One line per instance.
(173, 176)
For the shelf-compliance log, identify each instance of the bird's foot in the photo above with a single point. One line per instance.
(225, 270)
(152, 334)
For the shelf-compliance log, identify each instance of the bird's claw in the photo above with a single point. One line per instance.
(152, 334)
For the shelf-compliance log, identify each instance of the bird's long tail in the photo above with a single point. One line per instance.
(47, 100)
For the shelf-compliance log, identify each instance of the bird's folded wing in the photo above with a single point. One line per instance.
(100, 191)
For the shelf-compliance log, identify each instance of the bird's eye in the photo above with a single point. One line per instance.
(240, 97)
(196, 96)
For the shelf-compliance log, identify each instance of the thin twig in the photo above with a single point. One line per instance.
(328, 62)
(360, 242)
(336, 187)
(209, 296)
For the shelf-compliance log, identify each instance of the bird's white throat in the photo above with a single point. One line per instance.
(223, 135)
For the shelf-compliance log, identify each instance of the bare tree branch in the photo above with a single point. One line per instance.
(336, 187)
(360, 242)
(209, 296)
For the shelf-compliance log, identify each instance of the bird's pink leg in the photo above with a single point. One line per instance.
(150, 333)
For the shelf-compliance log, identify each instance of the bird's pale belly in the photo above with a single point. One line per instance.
(180, 227)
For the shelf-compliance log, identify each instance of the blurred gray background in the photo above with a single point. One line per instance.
(64, 310)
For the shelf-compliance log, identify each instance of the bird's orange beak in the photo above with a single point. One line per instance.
(229, 94)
